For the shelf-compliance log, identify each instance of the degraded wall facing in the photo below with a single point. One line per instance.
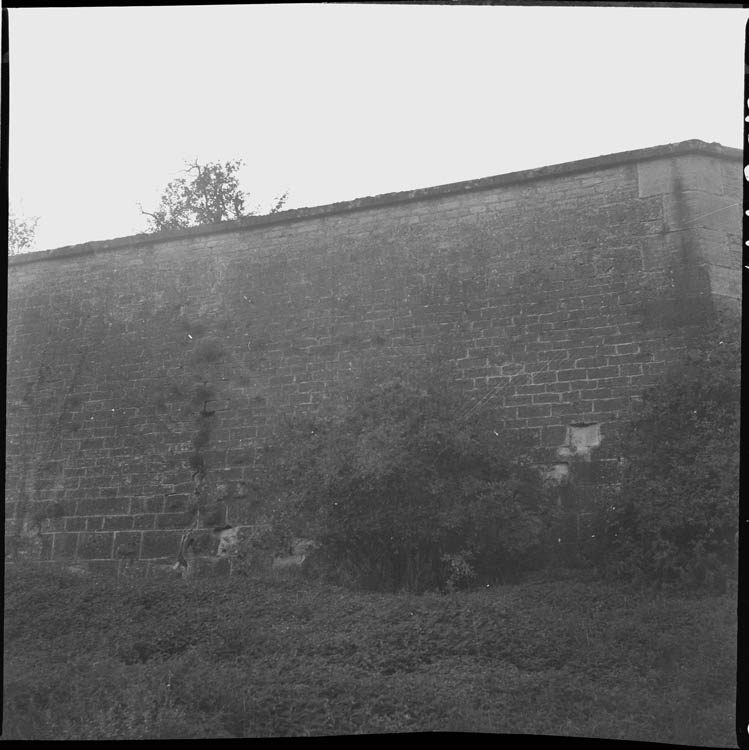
(144, 372)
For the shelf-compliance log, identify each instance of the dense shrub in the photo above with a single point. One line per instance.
(677, 516)
(402, 492)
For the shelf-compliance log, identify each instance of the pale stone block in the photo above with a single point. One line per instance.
(695, 210)
(717, 249)
(694, 171)
(581, 439)
(725, 282)
(732, 179)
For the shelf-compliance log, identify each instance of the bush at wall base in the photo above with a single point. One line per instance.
(400, 492)
(676, 518)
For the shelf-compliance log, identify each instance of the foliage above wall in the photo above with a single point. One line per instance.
(207, 194)
(21, 233)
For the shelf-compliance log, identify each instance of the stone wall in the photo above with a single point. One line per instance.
(145, 372)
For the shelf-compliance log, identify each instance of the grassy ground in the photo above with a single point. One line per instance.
(276, 656)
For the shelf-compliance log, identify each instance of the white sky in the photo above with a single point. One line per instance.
(334, 102)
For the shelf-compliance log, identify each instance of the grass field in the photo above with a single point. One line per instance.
(279, 656)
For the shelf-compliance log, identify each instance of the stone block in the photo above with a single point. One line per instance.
(145, 521)
(64, 546)
(580, 440)
(541, 410)
(174, 520)
(693, 171)
(610, 404)
(75, 524)
(49, 525)
(153, 504)
(160, 544)
(127, 544)
(725, 282)
(117, 523)
(694, 210)
(99, 506)
(573, 374)
(177, 503)
(95, 545)
(544, 377)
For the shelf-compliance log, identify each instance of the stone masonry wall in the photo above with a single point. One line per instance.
(144, 372)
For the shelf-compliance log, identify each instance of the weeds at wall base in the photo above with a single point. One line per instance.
(276, 655)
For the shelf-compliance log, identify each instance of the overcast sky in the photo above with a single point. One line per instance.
(334, 102)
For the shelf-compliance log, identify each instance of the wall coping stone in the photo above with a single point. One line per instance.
(386, 199)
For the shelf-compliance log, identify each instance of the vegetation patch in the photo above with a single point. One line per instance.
(676, 519)
(400, 492)
(274, 655)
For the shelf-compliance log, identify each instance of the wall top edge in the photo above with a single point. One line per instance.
(407, 196)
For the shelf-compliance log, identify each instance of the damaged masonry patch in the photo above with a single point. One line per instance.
(581, 439)
(228, 539)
